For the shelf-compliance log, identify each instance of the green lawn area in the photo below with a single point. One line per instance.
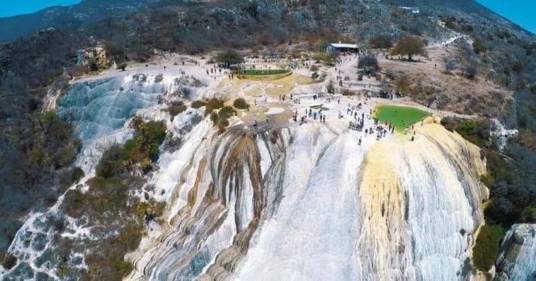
(263, 71)
(400, 116)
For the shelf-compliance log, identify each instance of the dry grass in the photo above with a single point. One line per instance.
(428, 83)
(303, 80)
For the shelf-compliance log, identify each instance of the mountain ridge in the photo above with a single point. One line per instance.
(88, 12)
(74, 16)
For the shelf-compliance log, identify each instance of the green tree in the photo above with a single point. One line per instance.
(240, 103)
(122, 66)
(369, 64)
(409, 46)
(228, 58)
(478, 47)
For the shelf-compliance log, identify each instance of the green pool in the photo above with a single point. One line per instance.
(400, 116)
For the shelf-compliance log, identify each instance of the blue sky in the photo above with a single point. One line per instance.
(522, 12)
(16, 7)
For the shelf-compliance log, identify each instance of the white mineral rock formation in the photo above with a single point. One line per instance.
(517, 260)
(309, 203)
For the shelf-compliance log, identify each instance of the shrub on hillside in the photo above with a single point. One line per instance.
(476, 131)
(449, 123)
(403, 84)
(226, 112)
(449, 21)
(198, 104)
(532, 89)
(52, 143)
(214, 118)
(470, 72)
(221, 119)
(487, 246)
(213, 104)
(240, 103)
(123, 267)
(151, 135)
(111, 162)
(529, 214)
(142, 149)
(176, 108)
(527, 139)
(122, 66)
(8, 261)
(478, 47)
(517, 67)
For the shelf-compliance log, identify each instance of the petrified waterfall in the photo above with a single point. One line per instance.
(421, 206)
(309, 203)
(292, 202)
(99, 109)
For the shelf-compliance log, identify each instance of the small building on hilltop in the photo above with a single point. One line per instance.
(340, 47)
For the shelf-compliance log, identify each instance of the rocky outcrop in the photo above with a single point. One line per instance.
(517, 258)
(95, 58)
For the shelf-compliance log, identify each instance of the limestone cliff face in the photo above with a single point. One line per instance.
(517, 259)
(422, 205)
(309, 203)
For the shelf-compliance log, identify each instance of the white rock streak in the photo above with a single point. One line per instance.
(313, 234)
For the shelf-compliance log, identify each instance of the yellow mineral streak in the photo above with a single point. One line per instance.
(385, 242)
(382, 206)
(192, 193)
